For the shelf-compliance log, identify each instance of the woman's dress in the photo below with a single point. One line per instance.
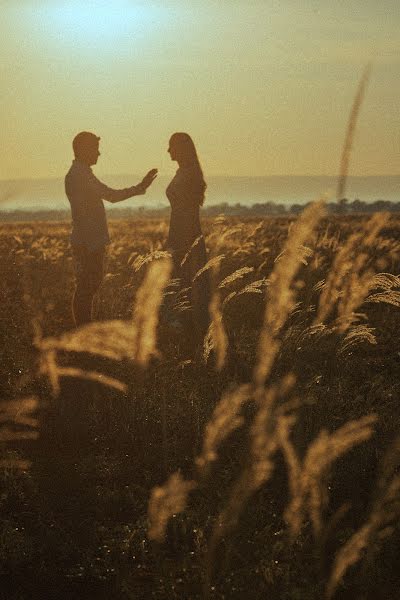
(186, 243)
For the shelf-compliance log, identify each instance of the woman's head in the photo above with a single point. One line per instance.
(182, 149)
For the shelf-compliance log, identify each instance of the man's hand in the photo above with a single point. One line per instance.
(148, 179)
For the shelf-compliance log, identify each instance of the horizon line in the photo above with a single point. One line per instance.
(221, 175)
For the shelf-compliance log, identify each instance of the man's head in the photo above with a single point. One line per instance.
(86, 147)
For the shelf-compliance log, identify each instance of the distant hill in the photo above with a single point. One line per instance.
(49, 194)
(255, 210)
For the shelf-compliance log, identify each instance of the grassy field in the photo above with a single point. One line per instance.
(268, 469)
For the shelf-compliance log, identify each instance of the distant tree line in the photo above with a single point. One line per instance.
(344, 206)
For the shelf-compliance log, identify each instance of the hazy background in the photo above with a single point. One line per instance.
(49, 194)
(264, 87)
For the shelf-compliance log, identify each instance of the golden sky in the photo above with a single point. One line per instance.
(264, 87)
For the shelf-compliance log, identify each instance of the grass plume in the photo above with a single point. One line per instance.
(165, 502)
(350, 131)
(281, 294)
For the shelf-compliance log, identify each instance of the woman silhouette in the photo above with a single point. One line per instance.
(185, 240)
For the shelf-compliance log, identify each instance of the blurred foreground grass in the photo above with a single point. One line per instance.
(74, 524)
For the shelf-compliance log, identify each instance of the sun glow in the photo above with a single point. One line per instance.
(93, 24)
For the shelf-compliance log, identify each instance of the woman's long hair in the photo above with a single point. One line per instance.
(187, 151)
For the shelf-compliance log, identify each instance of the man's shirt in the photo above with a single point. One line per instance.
(86, 194)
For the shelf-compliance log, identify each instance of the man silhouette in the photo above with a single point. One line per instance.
(89, 236)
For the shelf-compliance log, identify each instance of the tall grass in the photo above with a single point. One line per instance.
(350, 131)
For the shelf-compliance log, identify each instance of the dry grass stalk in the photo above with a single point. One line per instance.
(263, 442)
(350, 131)
(218, 237)
(145, 259)
(385, 511)
(213, 263)
(220, 219)
(314, 333)
(238, 274)
(15, 414)
(54, 371)
(349, 554)
(385, 281)
(14, 463)
(303, 251)
(388, 284)
(257, 227)
(340, 269)
(392, 297)
(188, 253)
(281, 295)
(258, 470)
(110, 339)
(328, 240)
(358, 283)
(145, 314)
(48, 366)
(180, 297)
(116, 340)
(350, 278)
(311, 493)
(92, 376)
(165, 502)
(359, 334)
(248, 245)
(8, 434)
(225, 419)
(255, 287)
(171, 498)
(260, 464)
(285, 424)
(216, 338)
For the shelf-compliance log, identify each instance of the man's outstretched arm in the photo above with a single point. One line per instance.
(106, 193)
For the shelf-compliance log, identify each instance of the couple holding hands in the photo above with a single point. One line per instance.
(90, 237)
